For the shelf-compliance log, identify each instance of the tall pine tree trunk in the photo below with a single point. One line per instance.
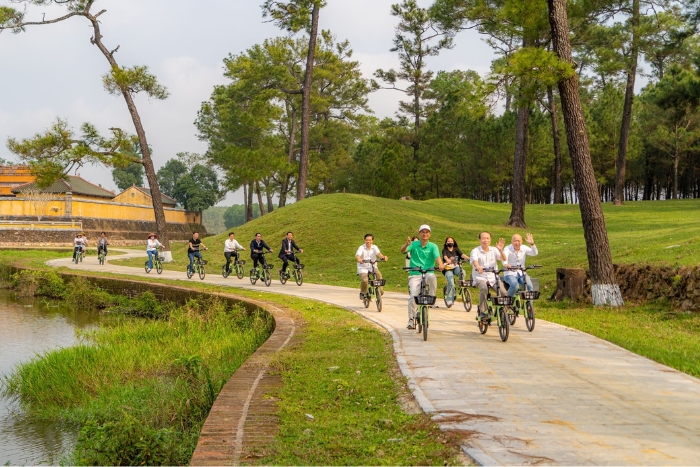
(249, 203)
(557, 146)
(292, 126)
(517, 213)
(604, 287)
(306, 105)
(621, 162)
(260, 199)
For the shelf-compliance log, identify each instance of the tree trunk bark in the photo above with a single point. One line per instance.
(621, 162)
(517, 213)
(604, 287)
(249, 204)
(159, 212)
(557, 146)
(292, 128)
(676, 160)
(260, 199)
(306, 105)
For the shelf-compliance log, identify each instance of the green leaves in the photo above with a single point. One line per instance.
(134, 79)
(292, 15)
(535, 68)
(57, 151)
(193, 185)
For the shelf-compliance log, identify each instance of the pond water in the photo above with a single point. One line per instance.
(31, 326)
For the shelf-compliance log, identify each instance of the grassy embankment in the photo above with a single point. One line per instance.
(343, 372)
(330, 228)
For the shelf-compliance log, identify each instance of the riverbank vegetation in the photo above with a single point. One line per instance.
(138, 390)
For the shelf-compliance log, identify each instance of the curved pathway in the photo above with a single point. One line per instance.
(553, 396)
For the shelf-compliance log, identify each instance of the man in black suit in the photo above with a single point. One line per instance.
(287, 251)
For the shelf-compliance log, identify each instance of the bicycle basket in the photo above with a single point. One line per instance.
(377, 282)
(203, 261)
(268, 266)
(424, 299)
(299, 266)
(161, 258)
(529, 295)
(241, 262)
(467, 283)
(503, 301)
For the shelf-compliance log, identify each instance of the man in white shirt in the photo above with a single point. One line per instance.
(231, 247)
(515, 256)
(368, 252)
(482, 257)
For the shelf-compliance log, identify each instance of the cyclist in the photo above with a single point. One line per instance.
(482, 257)
(256, 247)
(515, 256)
(287, 251)
(193, 249)
(79, 244)
(424, 254)
(152, 245)
(231, 247)
(102, 244)
(450, 253)
(368, 252)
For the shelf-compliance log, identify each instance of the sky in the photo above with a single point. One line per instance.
(53, 71)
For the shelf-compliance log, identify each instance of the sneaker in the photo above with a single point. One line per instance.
(362, 296)
(410, 326)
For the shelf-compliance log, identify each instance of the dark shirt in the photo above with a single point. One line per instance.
(288, 245)
(254, 245)
(451, 254)
(195, 244)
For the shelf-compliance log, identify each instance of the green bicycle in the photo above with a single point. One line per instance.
(523, 301)
(199, 264)
(461, 289)
(261, 272)
(157, 262)
(373, 286)
(78, 255)
(497, 306)
(237, 268)
(424, 302)
(296, 273)
(101, 255)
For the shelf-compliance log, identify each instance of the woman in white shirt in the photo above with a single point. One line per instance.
(152, 245)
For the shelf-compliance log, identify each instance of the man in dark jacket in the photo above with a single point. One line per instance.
(287, 251)
(256, 248)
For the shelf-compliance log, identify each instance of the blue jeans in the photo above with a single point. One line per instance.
(191, 256)
(514, 281)
(151, 254)
(450, 275)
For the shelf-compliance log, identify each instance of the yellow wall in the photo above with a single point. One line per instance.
(13, 176)
(133, 196)
(96, 209)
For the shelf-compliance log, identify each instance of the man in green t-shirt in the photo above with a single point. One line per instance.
(423, 255)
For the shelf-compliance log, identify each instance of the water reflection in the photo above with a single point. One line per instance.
(29, 327)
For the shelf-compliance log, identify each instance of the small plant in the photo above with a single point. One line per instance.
(30, 283)
(83, 295)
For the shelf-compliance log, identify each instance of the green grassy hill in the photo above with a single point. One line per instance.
(331, 227)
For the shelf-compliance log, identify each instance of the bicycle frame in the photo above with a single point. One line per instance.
(424, 302)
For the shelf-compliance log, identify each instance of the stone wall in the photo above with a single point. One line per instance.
(119, 232)
(680, 285)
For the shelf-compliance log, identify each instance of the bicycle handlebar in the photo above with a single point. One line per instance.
(494, 270)
(416, 268)
(520, 268)
(369, 261)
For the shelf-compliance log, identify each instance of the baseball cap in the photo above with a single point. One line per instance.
(424, 226)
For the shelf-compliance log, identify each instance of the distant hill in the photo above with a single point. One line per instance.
(331, 228)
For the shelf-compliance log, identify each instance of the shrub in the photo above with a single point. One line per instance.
(83, 295)
(30, 283)
(147, 305)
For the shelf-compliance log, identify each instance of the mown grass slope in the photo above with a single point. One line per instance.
(331, 227)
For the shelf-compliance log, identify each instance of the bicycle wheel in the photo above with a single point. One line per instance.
(299, 277)
(267, 278)
(503, 326)
(101, 259)
(283, 277)
(529, 316)
(189, 273)
(240, 272)
(225, 271)
(146, 268)
(512, 313)
(159, 267)
(367, 297)
(201, 272)
(81, 257)
(253, 276)
(419, 319)
(378, 300)
(467, 299)
(444, 295)
(425, 323)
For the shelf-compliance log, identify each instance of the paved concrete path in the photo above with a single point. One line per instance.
(553, 396)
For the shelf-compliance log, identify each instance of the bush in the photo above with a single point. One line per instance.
(147, 305)
(30, 283)
(83, 295)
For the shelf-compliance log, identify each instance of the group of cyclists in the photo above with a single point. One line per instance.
(422, 255)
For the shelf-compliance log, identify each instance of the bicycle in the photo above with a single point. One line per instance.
(296, 272)
(237, 267)
(373, 286)
(461, 289)
(101, 256)
(198, 266)
(424, 301)
(78, 255)
(261, 272)
(501, 303)
(157, 262)
(523, 300)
